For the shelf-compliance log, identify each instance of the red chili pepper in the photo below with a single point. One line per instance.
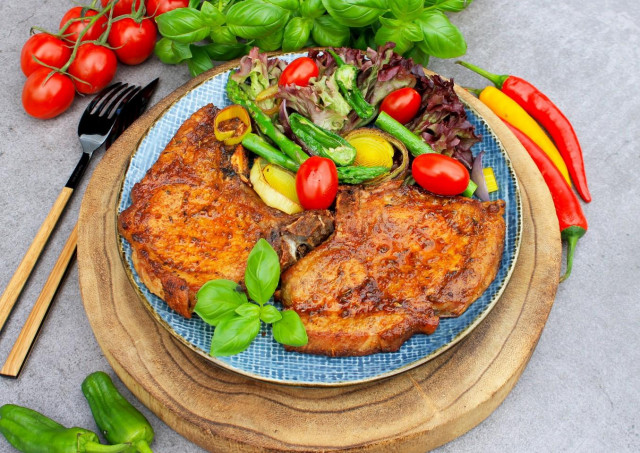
(539, 106)
(573, 224)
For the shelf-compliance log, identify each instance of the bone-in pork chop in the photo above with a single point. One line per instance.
(398, 260)
(193, 218)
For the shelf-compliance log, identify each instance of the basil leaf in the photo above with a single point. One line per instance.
(355, 13)
(171, 52)
(448, 5)
(211, 15)
(199, 61)
(194, 3)
(296, 33)
(271, 42)
(233, 335)
(418, 57)
(270, 314)
(291, 5)
(312, 8)
(328, 32)
(290, 330)
(226, 52)
(254, 19)
(248, 310)
(394, 31)
(263, 272)
(442, 39)
(222, 35)
(405, 9)
(184, 25)
(217, 300)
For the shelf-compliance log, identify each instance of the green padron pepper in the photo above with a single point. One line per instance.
(31, 432)
(117, 419)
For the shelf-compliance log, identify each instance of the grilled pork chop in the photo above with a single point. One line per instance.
(398, 260)
(193, 218)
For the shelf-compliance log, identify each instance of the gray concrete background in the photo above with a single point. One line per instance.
(580, 391)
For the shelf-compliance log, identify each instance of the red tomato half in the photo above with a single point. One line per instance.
(122, 6)
(298, 72)
(157, 7)
(402, 105)
(317, 183)
(95, 65)
(47, 48)
(133, 42)
(71, 33)
(440, 174)
(45, 100)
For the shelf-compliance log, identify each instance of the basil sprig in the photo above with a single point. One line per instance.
(237, 320)
(221, 30)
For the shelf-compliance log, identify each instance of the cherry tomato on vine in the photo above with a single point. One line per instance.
(317, 183)
(133, 42)
(402, 105)
(440, 174)
(71, 33)
(298, 72)
(47, 48)
(123, 6)
(95, 65)
(45, 100)
(157, 7)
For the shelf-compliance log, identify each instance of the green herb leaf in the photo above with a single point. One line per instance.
(290, 330)
(184, 25)
(447, 5)
(355, 13)
(296, 33)
(393, 30)
(270, 314)
(217, 300)
(405, 9)
(442, 39)
(271, 42)
(211, 15)
(171, 52)
(263, 272)
(248, 310)
(312, 8)
(233, 335)
(226, 52)
(200, 61)
(194, 3)
(328, 32)
(418, 56)
(222, 35)
(291, 5)
(252, 19)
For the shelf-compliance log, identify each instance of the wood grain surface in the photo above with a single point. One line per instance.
(412, 412)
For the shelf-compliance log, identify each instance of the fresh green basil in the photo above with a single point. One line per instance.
(184, 25)
(263, 272)
(194, 3)
(226, 52)
(290, 5)
(253, 19)
(297, 33)
(405, 9)
(171, 52)
(248, 310)
(290, 330)
(442, 39)
(199, 61)
(447, 5)
(328, 32)
(397, 31)
(270, 314)
(222, 35)
(355, 13)
(312, 8)
(233, 335)
(418, 56)
(217, 300)
(271, 42)
(211, 15)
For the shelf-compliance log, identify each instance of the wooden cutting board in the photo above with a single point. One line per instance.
(221, 411)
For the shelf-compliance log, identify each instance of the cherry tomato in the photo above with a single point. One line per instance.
(402, 105)
(133, 42)
(157, 7)
(71, 33)
(298, 72)
(317, 183)
(95, 65)
(47, 48)
(122, 6)
(440, 174)
(47, 99)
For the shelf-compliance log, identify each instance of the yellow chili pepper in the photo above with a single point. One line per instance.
(232, 124)
(509, 110)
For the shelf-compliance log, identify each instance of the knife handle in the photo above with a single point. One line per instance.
(20, 277)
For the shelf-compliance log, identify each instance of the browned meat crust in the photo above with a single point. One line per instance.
(193, 218)
(399, 258)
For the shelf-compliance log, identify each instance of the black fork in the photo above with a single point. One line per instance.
(96, 124)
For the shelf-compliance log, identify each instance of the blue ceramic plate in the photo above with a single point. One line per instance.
(266, 359)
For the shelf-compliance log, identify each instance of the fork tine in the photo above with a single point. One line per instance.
(106, 93)
(109, 107)
(126, 99)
